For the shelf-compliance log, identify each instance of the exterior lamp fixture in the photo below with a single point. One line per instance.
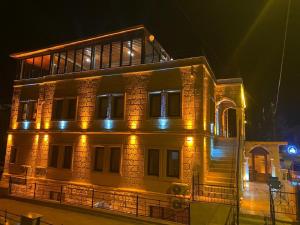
(292, 150)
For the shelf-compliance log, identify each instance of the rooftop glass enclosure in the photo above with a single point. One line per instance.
(125, 48)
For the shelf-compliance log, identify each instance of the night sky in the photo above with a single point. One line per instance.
(239, 38)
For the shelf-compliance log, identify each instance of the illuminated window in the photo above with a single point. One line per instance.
(54, 153)
(36, 68)
(54, 63)
(87, 58)
(97, 57)
(126, 53)
(155, 104)
(136, 51)
(62, 63)
(13, 155)
(27, 65)
(27, 111)
(67, 157)
(105, 56)
(70, 61)
(99, 159)
(46, 65)
(173, 163)
(115, 159)
(115, 54)
(153, 162)
(78, 60)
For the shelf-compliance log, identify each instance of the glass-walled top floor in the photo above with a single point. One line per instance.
(118, 51)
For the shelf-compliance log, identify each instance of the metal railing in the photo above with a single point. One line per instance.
(215, 194)
(12, 218)
(166, 207)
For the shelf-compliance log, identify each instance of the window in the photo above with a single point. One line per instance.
(106, 56)
(78, 60)
(36, 69)
(110, 106)
(97, 56)
(57, 109)
(118, 107)
(45, 65)
(62, 63)
(153, 162)
(87, 58)
(155, 104)
(136, 51)
(99, 159)
(71, 108)
(70, 61)
(27, 111)
(126, 52)
(174, 104)
(27, 65)
(64, 109)
(54, 156)
(67, 162)
(54, 63)
(13, 155)
(115, 158)
(102, 107)
(115, 54)
(173, 163)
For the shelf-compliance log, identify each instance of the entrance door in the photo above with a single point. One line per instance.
(259, 165)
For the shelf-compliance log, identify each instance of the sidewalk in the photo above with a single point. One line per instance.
(59, 216)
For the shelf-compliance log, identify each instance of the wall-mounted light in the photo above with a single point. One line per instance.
(190, 141)
(292, 150)
(108, 124)
(26, 125)
(62, 124)
(163, 123)
(46, 138)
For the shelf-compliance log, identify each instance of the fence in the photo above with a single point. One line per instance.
(164, 207)
(14, 219)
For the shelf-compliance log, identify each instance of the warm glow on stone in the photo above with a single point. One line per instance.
(133, 125)
(133, 139)
(9, 139)
(83, 138)
(47, 125)
(84, 125)
(189, 124)
(46, 138)
(190, 141)
(38, 125)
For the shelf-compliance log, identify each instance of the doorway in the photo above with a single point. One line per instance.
(259, 167)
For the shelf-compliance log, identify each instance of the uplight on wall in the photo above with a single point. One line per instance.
(62, 124)
(108, 124)
(26, 125)
(163, 123)
(190, 141)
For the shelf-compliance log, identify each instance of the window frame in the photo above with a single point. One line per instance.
(167, 163)
(110, 106)
(95, 159)
(13, 149)
(29, 112)
(110, 160)
(50, 157)
(63, 157)
(65, 109)
(148, 162)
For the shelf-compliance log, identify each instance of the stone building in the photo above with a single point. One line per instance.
(115, 111)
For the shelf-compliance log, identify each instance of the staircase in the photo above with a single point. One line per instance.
(220, 179)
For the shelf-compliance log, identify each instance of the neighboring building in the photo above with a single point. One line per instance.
(4, 123)
(115, 111)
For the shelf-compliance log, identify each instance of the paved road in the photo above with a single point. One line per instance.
(59, 216)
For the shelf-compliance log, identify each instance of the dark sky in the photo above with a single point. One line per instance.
(239, 38)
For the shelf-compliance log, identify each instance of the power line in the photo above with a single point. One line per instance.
(283, 55)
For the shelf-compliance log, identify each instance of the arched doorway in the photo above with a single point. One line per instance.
(259, 165)
(229, 123)
(226, 118)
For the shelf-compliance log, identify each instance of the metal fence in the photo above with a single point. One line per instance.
(14, 219)
(166, 207)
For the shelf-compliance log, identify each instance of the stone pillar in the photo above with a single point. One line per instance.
(15, 108)
(133, 163)
(82, 160)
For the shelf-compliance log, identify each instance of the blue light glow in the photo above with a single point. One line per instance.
(163, 123)
(216, 152)
(292, 150)
(108, 124)
(26, 125)
(211, 128)
(62, 124)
